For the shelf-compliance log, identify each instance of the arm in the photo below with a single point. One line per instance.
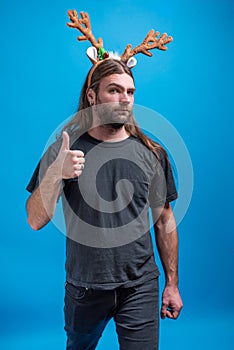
(167, 244)
(42, 202)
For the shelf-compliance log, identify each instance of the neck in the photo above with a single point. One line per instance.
(109, 133)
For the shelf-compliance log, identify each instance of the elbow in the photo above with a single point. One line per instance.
(34, 225)
(37, 218)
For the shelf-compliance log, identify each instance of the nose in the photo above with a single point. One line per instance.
(124, 97)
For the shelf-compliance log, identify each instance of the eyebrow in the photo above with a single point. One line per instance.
(120, 86)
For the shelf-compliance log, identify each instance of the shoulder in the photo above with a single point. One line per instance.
(152, 148)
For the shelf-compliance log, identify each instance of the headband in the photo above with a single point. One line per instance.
(98, 54)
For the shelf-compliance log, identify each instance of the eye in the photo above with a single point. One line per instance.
(131, 92)
(113, 91)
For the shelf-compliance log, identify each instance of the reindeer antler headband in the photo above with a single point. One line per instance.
(97, 53)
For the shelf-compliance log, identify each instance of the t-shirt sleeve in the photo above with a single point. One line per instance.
(162, 189)
(34, 181)
(41, 168)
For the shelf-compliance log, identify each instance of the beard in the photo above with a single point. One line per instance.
(116, 126)
(114, 114)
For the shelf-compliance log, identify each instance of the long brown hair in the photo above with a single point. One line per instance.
(82, 121)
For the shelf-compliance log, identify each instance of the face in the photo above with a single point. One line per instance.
(114, 102)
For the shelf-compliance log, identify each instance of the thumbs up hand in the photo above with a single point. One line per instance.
(69, 163)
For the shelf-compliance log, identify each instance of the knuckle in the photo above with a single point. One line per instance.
(78, 154)
(77, 173)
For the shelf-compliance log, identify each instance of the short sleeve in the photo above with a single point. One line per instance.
(41, 168)
(162, 189)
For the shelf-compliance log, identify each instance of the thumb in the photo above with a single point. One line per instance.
(66, 141)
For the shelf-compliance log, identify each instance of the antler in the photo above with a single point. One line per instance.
(83, 25)
(150, 42)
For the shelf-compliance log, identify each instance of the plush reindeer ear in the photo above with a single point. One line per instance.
(131, 62)
(92, 54)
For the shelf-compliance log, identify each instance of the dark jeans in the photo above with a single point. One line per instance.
(135, 312)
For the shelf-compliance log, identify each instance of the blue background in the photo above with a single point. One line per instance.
(42, 70)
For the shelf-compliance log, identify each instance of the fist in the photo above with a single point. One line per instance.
(70, 163)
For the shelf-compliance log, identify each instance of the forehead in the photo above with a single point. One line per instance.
(123, 80)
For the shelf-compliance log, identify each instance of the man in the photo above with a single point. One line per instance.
(109, 174)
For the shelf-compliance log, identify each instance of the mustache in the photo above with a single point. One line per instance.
(114, 105)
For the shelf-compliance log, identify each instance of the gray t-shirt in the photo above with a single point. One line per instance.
(106, 211)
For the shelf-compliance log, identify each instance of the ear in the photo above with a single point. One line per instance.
(131, 62)
(91, 96)
(92, 54)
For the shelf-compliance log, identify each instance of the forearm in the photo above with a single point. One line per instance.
(42, 202)
(167, 244)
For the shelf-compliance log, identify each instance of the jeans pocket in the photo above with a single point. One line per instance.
(75, 292)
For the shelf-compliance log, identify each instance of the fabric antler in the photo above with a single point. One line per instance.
(150, 42)
(84, 26)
